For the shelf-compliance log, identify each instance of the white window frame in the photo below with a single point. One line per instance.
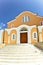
(26, 19)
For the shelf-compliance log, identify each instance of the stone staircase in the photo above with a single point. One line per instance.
(20, 53)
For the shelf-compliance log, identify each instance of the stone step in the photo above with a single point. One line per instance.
(13, 60)
(19, 53)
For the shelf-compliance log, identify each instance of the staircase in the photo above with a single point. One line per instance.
(20, 53)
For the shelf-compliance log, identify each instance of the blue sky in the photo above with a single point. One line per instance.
(9, 9)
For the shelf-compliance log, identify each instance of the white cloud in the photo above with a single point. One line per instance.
(2, 25)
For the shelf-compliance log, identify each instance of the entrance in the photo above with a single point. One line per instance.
(23, 37)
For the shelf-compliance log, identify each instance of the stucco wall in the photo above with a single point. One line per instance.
(30, 30)
(10, 32)
(34, 19)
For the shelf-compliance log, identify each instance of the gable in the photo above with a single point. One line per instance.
(33, 19)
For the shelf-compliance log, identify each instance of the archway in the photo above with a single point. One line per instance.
(23, 35)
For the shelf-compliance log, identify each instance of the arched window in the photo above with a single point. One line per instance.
(13, 36)
(34, 35)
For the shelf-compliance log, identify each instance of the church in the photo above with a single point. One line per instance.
(26, 28)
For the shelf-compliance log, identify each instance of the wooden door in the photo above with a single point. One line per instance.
(23, 38)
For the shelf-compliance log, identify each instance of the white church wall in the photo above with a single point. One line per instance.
(1, 32)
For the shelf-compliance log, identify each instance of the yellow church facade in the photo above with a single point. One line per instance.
(24, 29)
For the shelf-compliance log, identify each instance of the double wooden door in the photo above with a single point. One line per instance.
(23, 38)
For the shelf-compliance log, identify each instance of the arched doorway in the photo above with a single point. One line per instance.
(24, 35)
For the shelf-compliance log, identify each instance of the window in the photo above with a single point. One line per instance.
(13, 36)
(41, 23)
(34, 35)
(25, 19)
(12, 25)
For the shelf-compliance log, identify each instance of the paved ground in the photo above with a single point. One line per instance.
(20, 53)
